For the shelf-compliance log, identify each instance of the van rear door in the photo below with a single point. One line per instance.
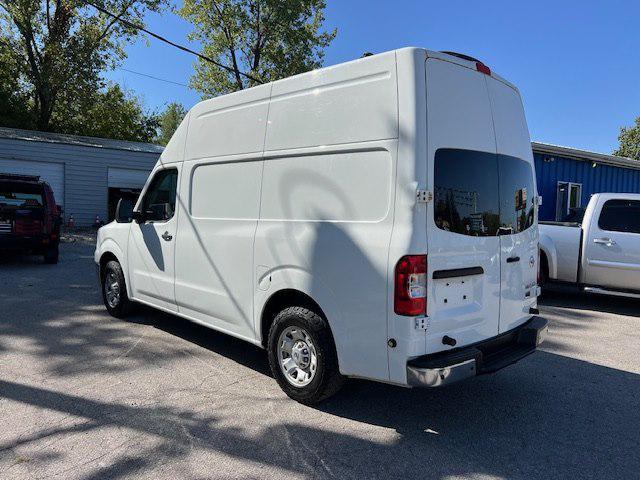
(463, 264)
(518, 222)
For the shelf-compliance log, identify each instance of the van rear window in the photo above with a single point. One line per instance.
(482, 194)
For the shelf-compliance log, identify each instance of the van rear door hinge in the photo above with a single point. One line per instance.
(421, 323)
(424, 196)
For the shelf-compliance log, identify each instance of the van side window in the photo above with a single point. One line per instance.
(620, 216)
(159, 203)
(466, 192)
(517, 208)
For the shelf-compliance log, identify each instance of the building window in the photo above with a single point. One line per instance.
(568, 200)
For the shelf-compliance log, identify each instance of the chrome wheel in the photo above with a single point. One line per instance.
(112, 289)
(297, 356)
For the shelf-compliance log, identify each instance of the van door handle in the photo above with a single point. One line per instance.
(604, 241)
(513, 259)
(167, 236)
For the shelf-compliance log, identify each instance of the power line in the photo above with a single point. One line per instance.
(165, 40)
(155, 78)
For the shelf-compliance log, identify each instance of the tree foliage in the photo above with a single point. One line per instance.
(267, 39)
(169, 121)
(108, 113)
(629, 139)
(52, 55)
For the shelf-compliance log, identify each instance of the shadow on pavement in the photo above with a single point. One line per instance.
(570, 297)
(550, 417)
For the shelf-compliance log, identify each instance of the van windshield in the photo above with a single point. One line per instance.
(482, 194)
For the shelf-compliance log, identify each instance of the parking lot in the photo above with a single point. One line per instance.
(83, 395)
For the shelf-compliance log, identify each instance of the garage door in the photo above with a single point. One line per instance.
(50, 172)
(127, 178)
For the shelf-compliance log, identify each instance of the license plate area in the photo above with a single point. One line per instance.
(453, 293)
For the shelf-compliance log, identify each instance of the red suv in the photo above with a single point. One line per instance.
(29, 217)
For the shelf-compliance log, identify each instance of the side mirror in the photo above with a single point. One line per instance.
(124, 210)
(138, 216)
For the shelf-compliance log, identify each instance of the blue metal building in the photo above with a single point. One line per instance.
(567, 177)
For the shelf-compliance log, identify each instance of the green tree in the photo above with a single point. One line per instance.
(267, 39)
(57, 51)
(108, 113)
(12, 100)
(629, 139)
(169, 121)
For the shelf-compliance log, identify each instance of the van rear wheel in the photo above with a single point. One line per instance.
(114, 290)
(302, 356)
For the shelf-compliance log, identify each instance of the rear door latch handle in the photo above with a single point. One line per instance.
(167, 236)
(604, 241)
(513, 259)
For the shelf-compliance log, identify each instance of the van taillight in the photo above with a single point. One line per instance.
(410, 294)
(482, 68)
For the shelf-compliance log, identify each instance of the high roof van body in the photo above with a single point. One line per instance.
(374, 219)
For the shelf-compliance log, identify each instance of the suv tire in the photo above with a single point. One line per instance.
(52, 254)
(300, 341)
(114, 290)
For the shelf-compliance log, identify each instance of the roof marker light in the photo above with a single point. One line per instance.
(482, 68)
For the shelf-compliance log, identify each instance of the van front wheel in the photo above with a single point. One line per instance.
(114, 290)
(302, 356)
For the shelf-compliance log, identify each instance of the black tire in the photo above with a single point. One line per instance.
(327, 379)
(122, 307)
(544, 272)
(52, 254)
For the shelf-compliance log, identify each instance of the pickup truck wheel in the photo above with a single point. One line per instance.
(114, 290)
(302, 356)
(544, 271)
(52, 254)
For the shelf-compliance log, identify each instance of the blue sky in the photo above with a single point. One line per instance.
(577, 63)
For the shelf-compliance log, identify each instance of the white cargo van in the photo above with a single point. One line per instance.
(375, 219)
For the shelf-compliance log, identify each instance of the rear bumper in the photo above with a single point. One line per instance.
(488, 356)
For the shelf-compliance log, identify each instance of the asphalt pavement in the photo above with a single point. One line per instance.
(86, 396)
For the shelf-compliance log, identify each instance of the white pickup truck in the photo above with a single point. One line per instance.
(601, 251)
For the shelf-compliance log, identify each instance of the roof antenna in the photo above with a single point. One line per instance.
(366, 54)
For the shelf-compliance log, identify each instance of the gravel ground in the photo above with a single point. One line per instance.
(83, 395)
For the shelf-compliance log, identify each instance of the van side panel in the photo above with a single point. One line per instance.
(354, 102)
(214, 255)
(219, 195)
(346, 186)
(326, 204)
(229, 125)
(334, 240)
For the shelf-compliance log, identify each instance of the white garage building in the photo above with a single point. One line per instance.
(87, 175)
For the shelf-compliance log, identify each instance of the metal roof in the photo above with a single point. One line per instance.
(585, 155)
(34, 136)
